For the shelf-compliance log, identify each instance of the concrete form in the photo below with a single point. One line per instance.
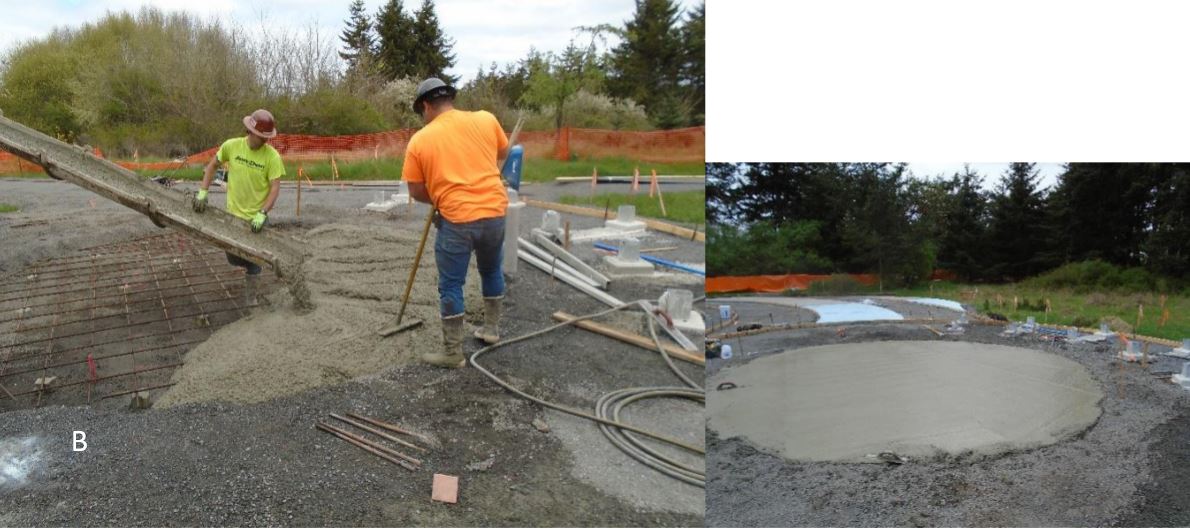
(845, 402)
(512, 230)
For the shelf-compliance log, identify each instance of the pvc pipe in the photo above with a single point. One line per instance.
(555, 262)
(606, 298)
(571, 280)
(570, 259)
(656, 260)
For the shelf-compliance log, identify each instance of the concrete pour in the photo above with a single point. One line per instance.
(917, 399)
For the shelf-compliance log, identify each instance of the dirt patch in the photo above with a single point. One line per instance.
(356, 275)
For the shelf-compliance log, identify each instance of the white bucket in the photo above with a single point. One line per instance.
(725, 352)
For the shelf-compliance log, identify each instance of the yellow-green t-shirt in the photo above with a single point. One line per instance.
(249, 173)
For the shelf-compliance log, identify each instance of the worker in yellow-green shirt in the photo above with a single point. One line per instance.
(253, 182)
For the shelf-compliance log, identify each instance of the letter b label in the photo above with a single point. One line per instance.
(80, 441)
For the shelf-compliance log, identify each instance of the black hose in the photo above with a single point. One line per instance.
(608, 407)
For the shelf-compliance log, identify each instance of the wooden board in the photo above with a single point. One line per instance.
(632, 338)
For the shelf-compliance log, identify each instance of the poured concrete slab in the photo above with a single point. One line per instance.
(920, 399)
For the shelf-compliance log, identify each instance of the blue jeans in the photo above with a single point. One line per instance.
(452, 251)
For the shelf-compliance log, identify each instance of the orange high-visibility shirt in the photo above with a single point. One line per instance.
(455, 156)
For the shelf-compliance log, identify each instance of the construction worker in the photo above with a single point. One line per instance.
(253, 182)
(451, 163)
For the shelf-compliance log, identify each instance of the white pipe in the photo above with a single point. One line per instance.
(606, 298)
(571, 280)
(545, 242)
(554, 261)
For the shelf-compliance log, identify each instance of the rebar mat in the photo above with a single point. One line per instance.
(112, 320)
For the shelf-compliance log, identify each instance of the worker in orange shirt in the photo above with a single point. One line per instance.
(452, 164)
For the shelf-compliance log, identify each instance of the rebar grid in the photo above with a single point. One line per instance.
(129, 309)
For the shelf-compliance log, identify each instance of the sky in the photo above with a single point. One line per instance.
(483, 30)
(991, 171)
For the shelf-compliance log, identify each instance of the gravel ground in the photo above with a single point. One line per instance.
(213, 463)
(1128, 467)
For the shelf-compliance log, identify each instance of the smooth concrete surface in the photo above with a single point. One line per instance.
(844, 402)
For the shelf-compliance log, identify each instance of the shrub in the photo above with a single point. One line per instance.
(1083, 321)
(1087, 276)
(837, 285)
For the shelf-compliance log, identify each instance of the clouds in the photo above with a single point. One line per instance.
(991, 171)
(484, 30)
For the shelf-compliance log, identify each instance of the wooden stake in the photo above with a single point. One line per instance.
(653, 183)
(632, 338)
(298, 178)
(594, 182)
(566, 236)
(661, 201)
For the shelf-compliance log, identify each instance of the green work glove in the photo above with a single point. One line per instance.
(258, 221)
(200, 201)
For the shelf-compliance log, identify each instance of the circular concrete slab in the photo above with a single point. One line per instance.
(919, 399)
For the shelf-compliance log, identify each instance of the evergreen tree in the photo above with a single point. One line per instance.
(1100, 211)
(962, 248)
(396, 47)
(694, 68)
(1017, 225)
(647, 64)
(431, 54)
(357, 37)
(722, 178)
(1167, 245)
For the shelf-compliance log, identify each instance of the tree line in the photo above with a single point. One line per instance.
(779, 218)
(170, 83)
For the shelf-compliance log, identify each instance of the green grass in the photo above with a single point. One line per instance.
(535, 169)
(1067, 306)
(681, 206)
(8, 208)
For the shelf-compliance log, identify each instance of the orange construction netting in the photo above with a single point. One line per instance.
(681, 145)
(781, 283)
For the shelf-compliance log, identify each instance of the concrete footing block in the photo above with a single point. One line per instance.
(625, 220)
(1132, 353)
(679, 304)
(628, 260)
(551, 225)
(1183, 379)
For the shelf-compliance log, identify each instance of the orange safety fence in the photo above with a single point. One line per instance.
(781, 283)
(777, 283)
(680, 145)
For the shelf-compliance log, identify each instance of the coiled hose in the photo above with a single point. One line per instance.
(608, 407)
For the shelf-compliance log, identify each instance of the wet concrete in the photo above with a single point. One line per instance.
(845, 402)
